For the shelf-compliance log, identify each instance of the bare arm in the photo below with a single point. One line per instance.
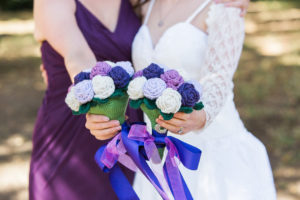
(55, 21)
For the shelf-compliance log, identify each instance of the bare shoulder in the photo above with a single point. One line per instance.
(50, 10)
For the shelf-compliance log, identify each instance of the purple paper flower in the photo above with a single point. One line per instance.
(138, 74)
(190, 96)
(84, 91)
(153, 71)
(120, 76)
(127, 66)
(197, 86)
(101, 68)
(172, 78)
(81, 76)
(153, 88)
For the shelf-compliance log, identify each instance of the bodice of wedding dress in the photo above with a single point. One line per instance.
(212, 59)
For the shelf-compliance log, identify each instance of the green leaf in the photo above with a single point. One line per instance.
(84, 108)
(76, 112)
(199, 106)
(118, 93)
(100, 101)
(150, 103)
(186, 110)
(135, 104)
(167, 116)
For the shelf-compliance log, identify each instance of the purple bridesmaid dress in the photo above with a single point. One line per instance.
(62, 163)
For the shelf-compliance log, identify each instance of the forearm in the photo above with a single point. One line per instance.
(77, 61)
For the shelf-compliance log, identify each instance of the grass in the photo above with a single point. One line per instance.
(267, 93)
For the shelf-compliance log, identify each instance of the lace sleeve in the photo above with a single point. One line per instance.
(225, 42)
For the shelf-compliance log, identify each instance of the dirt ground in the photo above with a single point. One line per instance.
(267, 93)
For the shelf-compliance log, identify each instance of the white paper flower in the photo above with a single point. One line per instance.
(71, 100)
(103, 86)
(135, 88)
(169, 101)
(112, 64)
(127, 66)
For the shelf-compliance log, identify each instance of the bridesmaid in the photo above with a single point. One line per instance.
(74, 34)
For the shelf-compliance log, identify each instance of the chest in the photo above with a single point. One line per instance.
(182, 47)
(106, 11)
(165, 15)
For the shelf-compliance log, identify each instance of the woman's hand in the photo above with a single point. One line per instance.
(101, 127)
(242, 4)
(183, 123)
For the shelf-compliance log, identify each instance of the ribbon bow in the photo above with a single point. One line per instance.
(136, 142)
(139, 132)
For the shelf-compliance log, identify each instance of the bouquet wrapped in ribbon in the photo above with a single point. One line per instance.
(101, 90)
(105, 89)
(159, 91)
(163, 92)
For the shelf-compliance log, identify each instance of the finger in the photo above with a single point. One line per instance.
(175, 121)
(101, 125)
(96, 118)
(182, 116)
(106, 133)
(170, 127)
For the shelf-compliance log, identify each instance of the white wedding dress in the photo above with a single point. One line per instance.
(234, 164)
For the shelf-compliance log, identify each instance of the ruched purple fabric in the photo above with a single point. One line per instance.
(62, 164)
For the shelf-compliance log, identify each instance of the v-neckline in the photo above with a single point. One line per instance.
(99, 21)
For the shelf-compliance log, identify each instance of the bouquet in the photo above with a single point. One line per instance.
(105, 89)
(101, 90)
(158, 91)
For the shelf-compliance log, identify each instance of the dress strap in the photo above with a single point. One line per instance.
(149, 11)
(199, 9)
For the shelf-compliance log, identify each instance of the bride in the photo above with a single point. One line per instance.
(203, 41)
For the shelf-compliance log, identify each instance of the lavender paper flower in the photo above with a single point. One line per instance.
(138, 74)
(101, 68)
(172, 78)
(81, 76)
(153, 71)
(120, 76)
(153, 88)
(84, 91)
(190, 96)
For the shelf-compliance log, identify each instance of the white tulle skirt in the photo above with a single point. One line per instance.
(234, 164)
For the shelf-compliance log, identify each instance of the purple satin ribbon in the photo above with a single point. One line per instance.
(115, 151)
(137, 138)
(139, 132)
(172, 170)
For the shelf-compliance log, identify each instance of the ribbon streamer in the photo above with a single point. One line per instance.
(141, 146)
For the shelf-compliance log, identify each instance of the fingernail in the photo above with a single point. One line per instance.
(106, 119)
(119, 128)
(117, 123)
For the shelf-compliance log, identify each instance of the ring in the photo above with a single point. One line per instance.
(180, 130)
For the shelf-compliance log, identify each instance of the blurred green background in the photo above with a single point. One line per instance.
(267, 91)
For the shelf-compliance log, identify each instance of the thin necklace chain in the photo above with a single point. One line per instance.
(162, 19)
